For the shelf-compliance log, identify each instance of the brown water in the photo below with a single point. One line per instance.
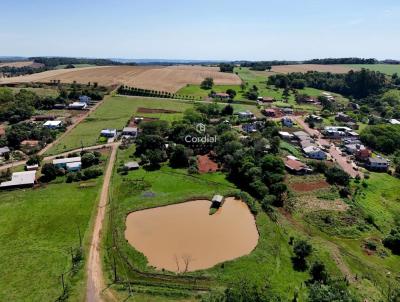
(184, 237)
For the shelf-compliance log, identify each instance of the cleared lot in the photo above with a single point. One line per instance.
(170, 78)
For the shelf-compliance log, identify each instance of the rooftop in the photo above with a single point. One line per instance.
(19, 179)
(66, 160)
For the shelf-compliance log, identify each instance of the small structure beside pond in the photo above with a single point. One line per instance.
(217, 201)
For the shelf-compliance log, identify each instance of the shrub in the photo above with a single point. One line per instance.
(91, 173)
(392, 241)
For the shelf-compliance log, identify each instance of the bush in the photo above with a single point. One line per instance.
(392, 241)
(337, 176)
(91, 173)
(49, 172)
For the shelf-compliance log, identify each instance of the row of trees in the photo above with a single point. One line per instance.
(134, 91)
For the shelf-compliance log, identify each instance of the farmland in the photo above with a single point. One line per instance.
(311, 67)
(169, 79)
(388, 69)
(19, 64)
(37, 230)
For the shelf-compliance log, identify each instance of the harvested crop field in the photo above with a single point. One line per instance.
(21, 64)
(155, 110)
(205, 164)
(170, 78)
(311, 67)
(309, 186)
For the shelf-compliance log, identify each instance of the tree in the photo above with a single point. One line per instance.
(231, 92)
(227, 110)
(392, 241)
(179, 157)
(49, 172)
(226, 67)
(88, 159)
(337, 176)
(302, 249)
(318, 272)
(207, 83)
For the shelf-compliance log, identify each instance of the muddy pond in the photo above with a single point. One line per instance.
(184, 237)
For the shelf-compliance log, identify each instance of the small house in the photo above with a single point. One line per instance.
(20, 180)
(130, 131)
(77, 106)
(4, 151)
(265, 99)
(295, 166)
(217, 201)
(29, 143)
(31, 167)
(362, 154)
(287, 122)
(84, 99)
(269, 112)
(132, 165)
(287, 110)
(52, 124)
(285, 135)
(245, 114)
(394, 121)
(314, 153)
(353, 148)
(221, 95)
(59, 106)
(342, 117)
(377, 164)
(73, 167)
(109, 133)
(301, 135)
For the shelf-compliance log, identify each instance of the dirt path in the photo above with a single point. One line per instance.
(95, 281)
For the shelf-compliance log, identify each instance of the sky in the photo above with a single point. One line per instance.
(201, 29)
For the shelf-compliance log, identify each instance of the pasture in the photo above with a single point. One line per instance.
(38, 227)
(169, 79)
(388, 69)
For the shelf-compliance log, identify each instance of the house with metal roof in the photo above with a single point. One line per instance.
(20, 179)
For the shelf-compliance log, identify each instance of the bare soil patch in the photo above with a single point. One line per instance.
(133, 123)
(311, 67)
(312, 203)
(206, 164)
(309, 186)
(154, 110)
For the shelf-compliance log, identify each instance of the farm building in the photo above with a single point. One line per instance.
(77, 106)
(314, 153)
(217, 201)
(20, 179)
(377, 164)
(110, 133)
(52, 124)
(130, 131)
(132, 165)
(4, 151)
(31, 167)
(69, 163)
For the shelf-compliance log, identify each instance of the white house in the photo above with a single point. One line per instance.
(314, 152)
(4, 151)
(68, 163)
(52, 124)
(285, 135)
(394, 121)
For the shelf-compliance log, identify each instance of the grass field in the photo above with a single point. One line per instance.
(44, 92)
(196, 91)
(113, 113)
(37, 229)
(388, 69)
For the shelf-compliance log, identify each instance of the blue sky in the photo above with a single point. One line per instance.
(206, 29)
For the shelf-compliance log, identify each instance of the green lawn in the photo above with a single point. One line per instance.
(37, 229)
(196, 91)
(388, 69)
(115, 112)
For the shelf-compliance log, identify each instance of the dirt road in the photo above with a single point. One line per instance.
(95, 282)
(333, 151)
